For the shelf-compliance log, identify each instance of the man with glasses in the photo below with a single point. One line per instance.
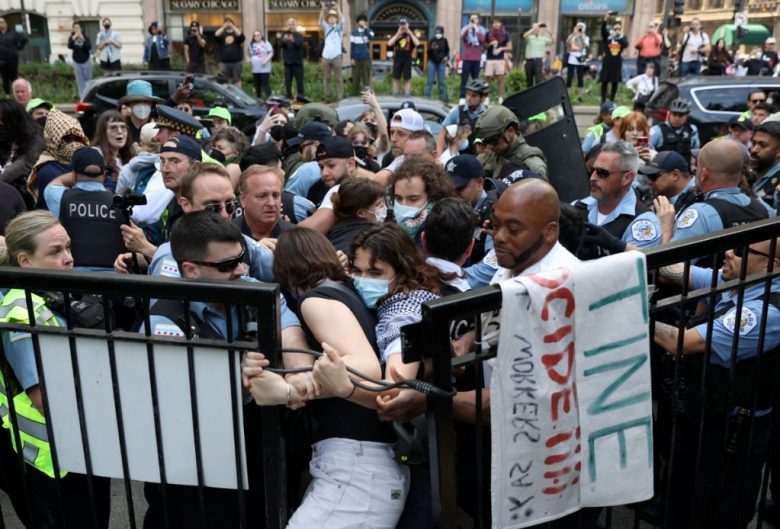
(613, 204)
(206, 245)
(722, 203)
(755, 97)
(738, 409)
(499, 130)
(676, 134)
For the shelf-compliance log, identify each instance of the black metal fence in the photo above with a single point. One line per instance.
(684, 424)
(40, 500)
(694, 434)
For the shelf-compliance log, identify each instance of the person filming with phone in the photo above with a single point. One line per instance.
(195, 49)
(577, 46)
(537, 40)
(404, 42)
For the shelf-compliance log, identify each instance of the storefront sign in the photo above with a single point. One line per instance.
(484, 6)
(293, 5)
(593, 6)
(205, 5)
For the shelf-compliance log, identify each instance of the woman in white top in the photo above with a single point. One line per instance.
(643, 86)
(260, 53)
(577, 45)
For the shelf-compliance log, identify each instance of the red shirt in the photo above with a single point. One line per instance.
(649, 45)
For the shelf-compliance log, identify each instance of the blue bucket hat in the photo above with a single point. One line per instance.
(138, 92)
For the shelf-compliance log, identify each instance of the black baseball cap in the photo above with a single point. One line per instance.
(738, 122)
(463, 168)
(665, 162)
(313, 130)
(335, 147)
(88, 162)
(183, 145)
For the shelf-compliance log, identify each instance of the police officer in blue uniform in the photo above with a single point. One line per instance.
(669, 175)
(206, 245)
(466, 115)
(724, 493)
(612, 203)
(765, 160)
(87, 212)
(676, 134)
(722, 204)
(208, 187)
(479, 192)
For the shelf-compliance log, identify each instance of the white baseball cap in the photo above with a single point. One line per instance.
(408, 119)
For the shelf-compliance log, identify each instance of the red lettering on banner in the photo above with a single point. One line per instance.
(558, 335)
(562, 293)
(562, 473)
(550, 283)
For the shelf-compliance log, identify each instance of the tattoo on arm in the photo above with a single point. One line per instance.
(666, 336)
(673, 273)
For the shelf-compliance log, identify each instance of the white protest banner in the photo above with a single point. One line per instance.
(570, 392)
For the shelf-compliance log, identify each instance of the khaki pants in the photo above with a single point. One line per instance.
(332, 67)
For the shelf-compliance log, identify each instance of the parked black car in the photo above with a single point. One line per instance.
(208, 91)
(716, 100)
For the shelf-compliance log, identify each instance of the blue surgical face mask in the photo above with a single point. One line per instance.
(464, 145)
(402, 212)
(371, 290)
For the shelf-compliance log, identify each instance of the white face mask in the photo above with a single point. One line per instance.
(464, 145)
(439, 35)
(142, 110)
(380, 214)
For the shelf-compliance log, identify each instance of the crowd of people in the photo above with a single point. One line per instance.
(360, 222)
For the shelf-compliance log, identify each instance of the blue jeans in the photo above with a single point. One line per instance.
(692, 68)
(437, 72)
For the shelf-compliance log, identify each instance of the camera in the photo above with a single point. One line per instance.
(128, 201)
(543, 25)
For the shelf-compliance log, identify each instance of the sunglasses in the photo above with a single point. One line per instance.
(603, 172)
(757, 100)
(230, 206)
(225, 265)
(742, 250)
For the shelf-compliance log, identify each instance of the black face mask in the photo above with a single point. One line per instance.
(107, 26)
(361, 152)
(41, 121)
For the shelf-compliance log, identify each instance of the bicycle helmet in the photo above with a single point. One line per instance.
(494, 121)
(681, 106)
(480, 86)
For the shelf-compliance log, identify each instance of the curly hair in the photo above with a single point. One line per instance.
(234, 136)
(437, 183)
(388, 242)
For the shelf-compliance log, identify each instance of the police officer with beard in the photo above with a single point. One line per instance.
(87, 213)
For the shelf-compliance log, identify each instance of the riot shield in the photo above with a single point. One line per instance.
(547, 122)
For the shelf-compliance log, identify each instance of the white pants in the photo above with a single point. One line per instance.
(355, 485)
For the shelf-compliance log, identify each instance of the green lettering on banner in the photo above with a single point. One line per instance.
(619, 429)
(633, 364)
(640, 290)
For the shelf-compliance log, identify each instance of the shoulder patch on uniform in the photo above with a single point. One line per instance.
(687, 218)
(643, 230)
(748, 320)
(167, 329)
(169, 268)
(490, 259)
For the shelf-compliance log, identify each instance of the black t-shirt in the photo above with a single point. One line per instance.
(11, 204)
(230, 47)
(403, 47)
(81, 48)
(196, 50)
(335, 417)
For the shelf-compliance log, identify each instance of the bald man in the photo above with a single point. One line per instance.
(723, 204)
(736, 479)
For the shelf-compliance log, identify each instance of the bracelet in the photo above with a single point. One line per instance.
(289, 394)
(354, 387)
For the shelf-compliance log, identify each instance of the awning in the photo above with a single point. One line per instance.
(756, 34)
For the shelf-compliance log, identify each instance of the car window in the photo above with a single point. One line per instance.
(206, 95)
(723, 99)
(430, 116)
(118, 88)
(239, 95)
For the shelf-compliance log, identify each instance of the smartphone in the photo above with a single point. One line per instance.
(642, 141)
(543, 25)
(367, 89)
(189, 81)
(274, 109)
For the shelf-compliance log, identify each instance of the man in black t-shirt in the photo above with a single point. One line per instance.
(403, 42)
(231, 51)
(195, 49)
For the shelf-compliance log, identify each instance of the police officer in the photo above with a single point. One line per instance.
(468, 177)
(669, 175)
(208, 187)
(724, 492)
(593, 134)
(87, 212)
(612, 203)
(676, 134)
(466, 115)
(206, 245)
(765, 160)
(37, 240)
(499, 129)
(722, 204)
